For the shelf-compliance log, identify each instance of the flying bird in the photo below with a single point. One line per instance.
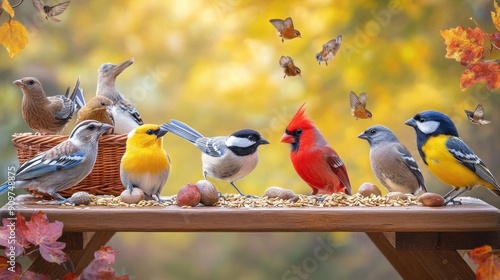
(448, 157)
(477, 117)
(313, 159)
(329, 50)
(358, 106)
(50, 11)
(285, 29)
(289, 67)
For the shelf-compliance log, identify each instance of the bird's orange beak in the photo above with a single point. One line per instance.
(286, 138)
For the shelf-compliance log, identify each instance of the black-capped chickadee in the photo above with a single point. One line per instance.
(227, 158)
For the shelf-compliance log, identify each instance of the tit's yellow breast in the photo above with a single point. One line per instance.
(446, 168)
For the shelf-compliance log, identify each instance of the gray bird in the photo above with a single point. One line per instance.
(50, 11)
(124, 113)
(392, 163)
(63, 166)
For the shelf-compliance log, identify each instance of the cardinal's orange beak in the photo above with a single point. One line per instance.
(287, 138)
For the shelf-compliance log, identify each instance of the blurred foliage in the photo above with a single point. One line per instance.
(214, 64)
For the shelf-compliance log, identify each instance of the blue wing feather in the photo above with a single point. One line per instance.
(42, 164)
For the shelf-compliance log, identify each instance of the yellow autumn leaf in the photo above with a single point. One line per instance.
(13, 36)
(495, 16)
(8, 8)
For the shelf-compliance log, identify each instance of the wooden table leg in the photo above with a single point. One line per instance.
(423, 264)
(80, 256)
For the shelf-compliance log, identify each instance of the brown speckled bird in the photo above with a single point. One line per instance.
(285, 29)
(47, 115)
(97, 109)
(289, 67)
(125, 115)
(329, 50)
(358, 106)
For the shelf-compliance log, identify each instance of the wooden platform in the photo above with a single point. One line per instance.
(420, 242)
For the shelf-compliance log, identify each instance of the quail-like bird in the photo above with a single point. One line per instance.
(47, 115)
(125, 115)
(63, 166)
(98, 109)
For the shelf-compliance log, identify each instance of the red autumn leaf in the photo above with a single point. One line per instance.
(70, 276)
(53, 252)
(487, 72)
(464, 45)
(495, 40)
(488, 263)
(16, 238)
(43, 233)
(106, 253)
(12, 273)
(30, 275)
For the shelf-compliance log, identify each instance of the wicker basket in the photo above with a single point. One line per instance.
(104, 178)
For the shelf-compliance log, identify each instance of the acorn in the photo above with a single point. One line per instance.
(209, 194)
(80, 198)
(431, 199)
(278, 192)
(366, 189)
(189, 195)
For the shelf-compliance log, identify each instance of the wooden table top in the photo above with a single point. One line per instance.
(475, 216)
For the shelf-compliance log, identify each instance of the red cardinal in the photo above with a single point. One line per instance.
(314, 160)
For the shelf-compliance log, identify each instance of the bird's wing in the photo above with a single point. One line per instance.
(288, 22)
(337, 167)
(63, 107)
(58, 9)
(469, 114)
(62, 156)
(38, 4)
(278, 23)
(410, 162)
(478, 112)
(125, 105)
(466, 156)
(214, 147)
(285, 60)
(362, 99)
(354, 100)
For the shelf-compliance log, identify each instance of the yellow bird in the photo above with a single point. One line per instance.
(145, 164)
(448, 157)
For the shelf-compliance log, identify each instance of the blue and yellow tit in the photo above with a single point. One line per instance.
(145, 164)
(447, 156)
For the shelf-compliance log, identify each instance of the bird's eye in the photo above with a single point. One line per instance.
(31, 82)
(103, 104)
(421, 119)
(91, 127)
(373, 131)
(298, 131)
(150, 132)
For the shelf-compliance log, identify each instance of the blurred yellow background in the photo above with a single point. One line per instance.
(214, 65)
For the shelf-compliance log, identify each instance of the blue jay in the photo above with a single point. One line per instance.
(124, 113)
(392, 163)
(63, 166)
(227, 158)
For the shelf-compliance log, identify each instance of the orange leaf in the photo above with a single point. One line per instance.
(495, 16)
(8, 8)
(488, 263)
(487, 72)
(464, 45)
(13, 36)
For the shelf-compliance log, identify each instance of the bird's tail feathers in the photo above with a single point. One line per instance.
(4, 188)
(182, 130)
(77, 94)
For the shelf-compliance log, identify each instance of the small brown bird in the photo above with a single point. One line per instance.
(329, 50)
(125, 115)
(50, 11)
(476, 117)
(47, 115)
(358, 106)
(97, 109)
(290, 69)
(285, 29)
